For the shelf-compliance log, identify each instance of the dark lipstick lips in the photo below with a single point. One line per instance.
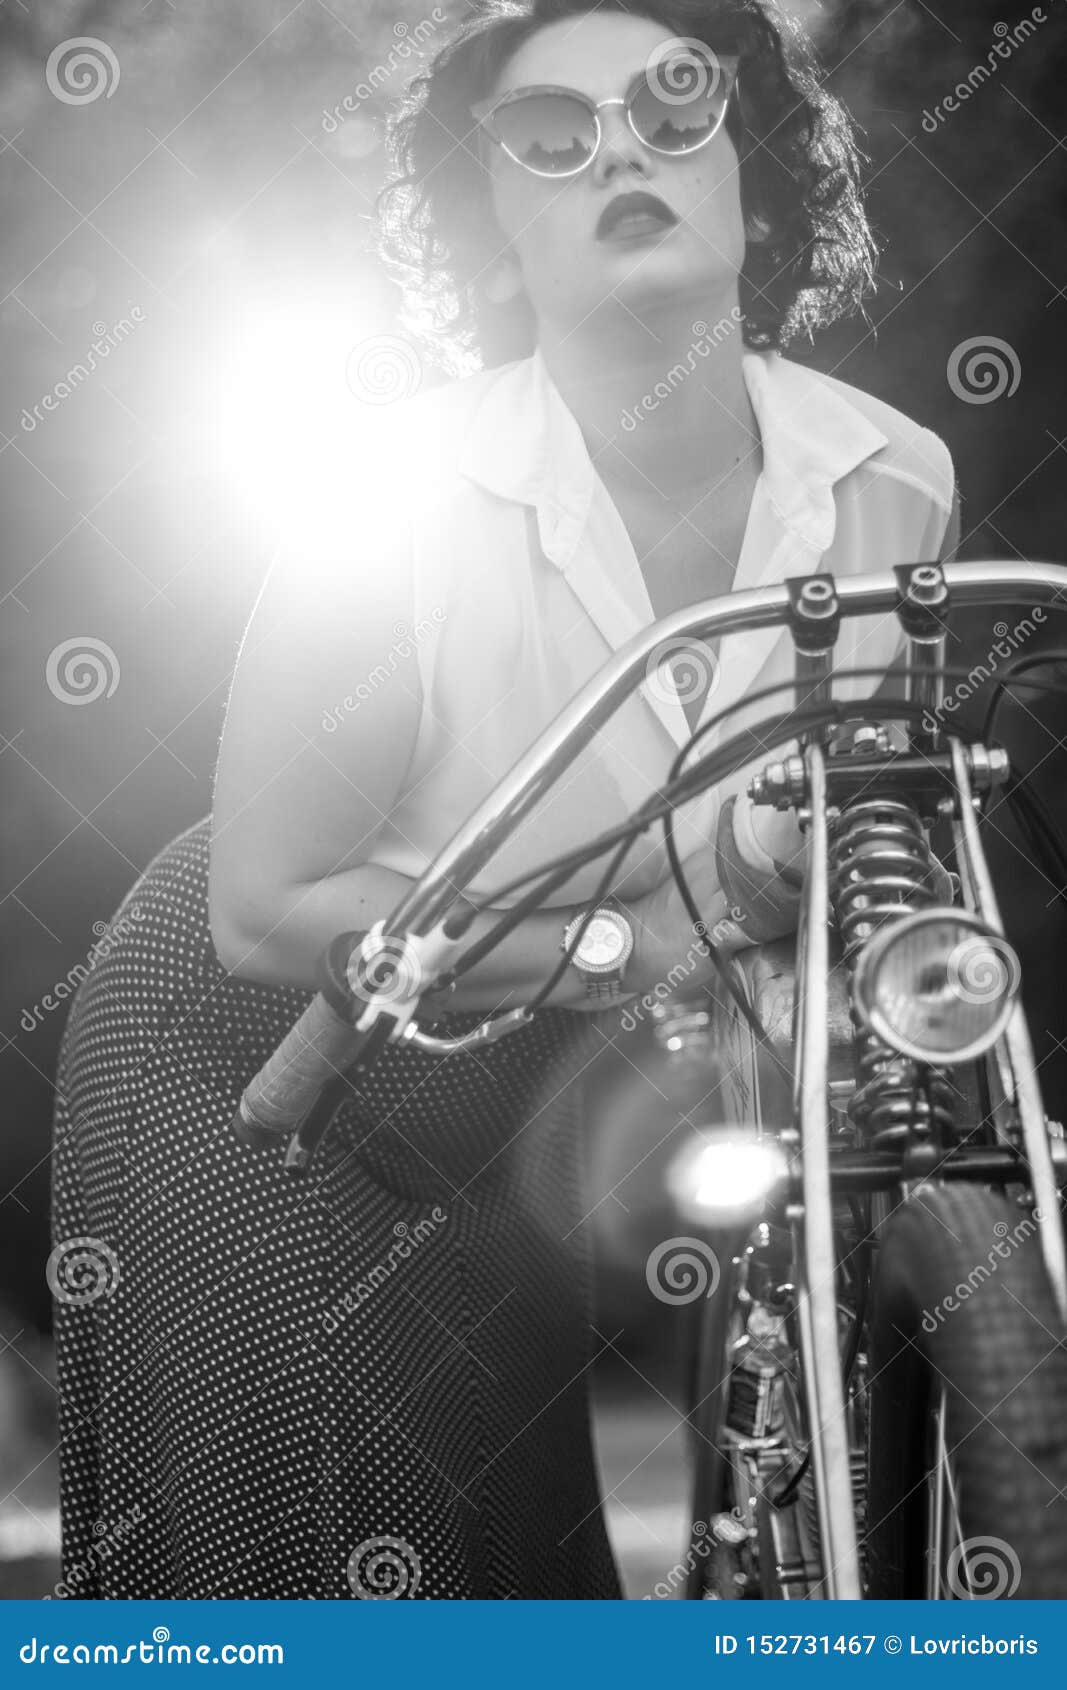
(633, 205)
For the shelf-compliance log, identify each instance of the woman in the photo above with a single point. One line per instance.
(376, 1383)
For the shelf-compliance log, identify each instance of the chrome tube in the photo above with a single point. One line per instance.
(927, 591)
(925, 688)
(1020, 1051)
(552, 753)
(814, 676)
(817, 1301)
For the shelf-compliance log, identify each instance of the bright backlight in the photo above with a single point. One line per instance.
(304, 390)
(727, 1176)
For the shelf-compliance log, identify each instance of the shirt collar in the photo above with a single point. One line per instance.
(525, 444)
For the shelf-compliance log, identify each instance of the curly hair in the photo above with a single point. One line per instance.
(810, 255)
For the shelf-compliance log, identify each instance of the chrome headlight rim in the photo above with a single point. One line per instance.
(872, 958)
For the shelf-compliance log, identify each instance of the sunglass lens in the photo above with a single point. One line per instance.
(549, 133)
(680, 103)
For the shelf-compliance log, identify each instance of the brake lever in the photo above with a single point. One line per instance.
(486, 1033)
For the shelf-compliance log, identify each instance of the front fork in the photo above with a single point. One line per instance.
(929, 769)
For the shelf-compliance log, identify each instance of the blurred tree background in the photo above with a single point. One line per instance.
(203, 213)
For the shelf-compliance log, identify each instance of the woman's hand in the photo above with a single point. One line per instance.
(667, 944)
(747, 888)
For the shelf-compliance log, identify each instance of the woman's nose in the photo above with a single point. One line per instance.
(620, 151)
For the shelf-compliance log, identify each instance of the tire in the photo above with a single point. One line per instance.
(993, 1353)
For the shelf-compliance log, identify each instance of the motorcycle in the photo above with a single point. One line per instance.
(880, 1387)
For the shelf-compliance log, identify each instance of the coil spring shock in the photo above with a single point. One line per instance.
(881, 865)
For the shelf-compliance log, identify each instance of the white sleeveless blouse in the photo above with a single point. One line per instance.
(506, 633)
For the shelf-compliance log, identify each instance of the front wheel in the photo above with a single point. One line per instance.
(967, 1474)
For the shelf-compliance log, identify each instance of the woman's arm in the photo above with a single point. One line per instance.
(297, 808)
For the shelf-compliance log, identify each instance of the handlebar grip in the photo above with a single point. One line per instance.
(316, 1049)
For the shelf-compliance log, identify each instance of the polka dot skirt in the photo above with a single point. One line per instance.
(370, 1383)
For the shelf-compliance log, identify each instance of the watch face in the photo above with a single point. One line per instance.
(602, 943)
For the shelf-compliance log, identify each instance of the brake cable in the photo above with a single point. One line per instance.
(771, 733)
(727, 759)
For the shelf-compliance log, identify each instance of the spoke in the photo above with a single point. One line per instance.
(953, 1494)
(945, 1504)
(936, 1524)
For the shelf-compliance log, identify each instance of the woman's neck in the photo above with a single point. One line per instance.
(660, 402)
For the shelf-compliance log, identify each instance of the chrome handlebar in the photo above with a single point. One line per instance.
(340, 1030)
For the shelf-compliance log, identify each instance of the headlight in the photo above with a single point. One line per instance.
(728, 1177)
(937, 985)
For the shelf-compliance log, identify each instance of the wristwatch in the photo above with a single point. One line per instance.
(603, 950)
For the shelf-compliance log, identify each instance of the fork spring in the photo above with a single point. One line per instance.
(881, 865)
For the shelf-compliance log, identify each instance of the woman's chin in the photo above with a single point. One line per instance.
(650, 281)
